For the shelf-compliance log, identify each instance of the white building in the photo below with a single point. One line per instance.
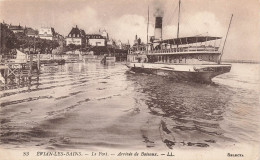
(104, 33)
(47, 33)
(76, 36)
(95, 40)
(119, 44)
(16, 29)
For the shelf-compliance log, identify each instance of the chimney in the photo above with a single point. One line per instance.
(158, 28)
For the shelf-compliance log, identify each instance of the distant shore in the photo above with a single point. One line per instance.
(241, 61)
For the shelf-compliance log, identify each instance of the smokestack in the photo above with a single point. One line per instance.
(158, 14)
(158, 28)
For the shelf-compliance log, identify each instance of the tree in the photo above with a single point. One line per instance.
(8, 40)
(51, 45)
(42, 45)
(73, 47)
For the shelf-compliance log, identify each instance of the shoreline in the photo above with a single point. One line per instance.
(241, 61)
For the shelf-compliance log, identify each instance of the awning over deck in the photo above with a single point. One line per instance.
(188, 40)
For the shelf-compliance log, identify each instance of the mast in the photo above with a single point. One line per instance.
(1, 38)
(147, 29)
(178, 29)
(178, 20)
(225, 40)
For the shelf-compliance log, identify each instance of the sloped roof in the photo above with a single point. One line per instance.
(94, 36)
(77, 31)
(47, 30)
(83, 32)
(30, 31)
(16, 27)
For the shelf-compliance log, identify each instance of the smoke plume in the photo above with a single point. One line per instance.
(158, 8)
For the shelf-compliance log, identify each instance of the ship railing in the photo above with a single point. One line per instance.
(190, 49)
(186, 49)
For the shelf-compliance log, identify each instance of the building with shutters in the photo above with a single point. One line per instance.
(95, 40)
(76, 36)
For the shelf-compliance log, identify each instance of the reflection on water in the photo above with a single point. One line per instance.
(90, 105)
(190, 113)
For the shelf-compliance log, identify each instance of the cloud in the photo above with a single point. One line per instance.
(206, 22)
(86, 18)
(122, 27)
(158, 7)
(201, 23)
(127, 26)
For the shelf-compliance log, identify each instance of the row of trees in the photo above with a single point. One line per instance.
(36, 44)
(10, 41)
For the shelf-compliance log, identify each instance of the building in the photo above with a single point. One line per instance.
(125, 46)
(31, 32)
(95, 40)
(16, 29)
(47, 33)
(137, 40)
(76, 36)
(104, 34)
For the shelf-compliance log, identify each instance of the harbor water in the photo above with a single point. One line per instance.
(91, 106)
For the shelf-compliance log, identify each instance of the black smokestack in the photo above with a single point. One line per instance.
(158, 22)
(158, 28)
(158, 14)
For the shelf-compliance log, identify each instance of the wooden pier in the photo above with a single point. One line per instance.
(18, 72)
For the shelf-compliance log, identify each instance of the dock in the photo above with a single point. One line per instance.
(18, 72)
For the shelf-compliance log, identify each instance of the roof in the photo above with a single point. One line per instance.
(94, 36)
(82, 32)
(47, 31)
(15, 27)
(30, 31)
(188, 40)
(77, 31)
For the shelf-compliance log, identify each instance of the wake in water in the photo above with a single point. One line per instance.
(87, 106)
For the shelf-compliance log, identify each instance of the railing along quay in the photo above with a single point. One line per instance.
(18, 72)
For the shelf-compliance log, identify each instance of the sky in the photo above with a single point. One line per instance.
(123, 19)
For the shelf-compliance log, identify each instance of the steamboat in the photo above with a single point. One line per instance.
(194, 58)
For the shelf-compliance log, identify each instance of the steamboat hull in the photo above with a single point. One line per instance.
(195, 73)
